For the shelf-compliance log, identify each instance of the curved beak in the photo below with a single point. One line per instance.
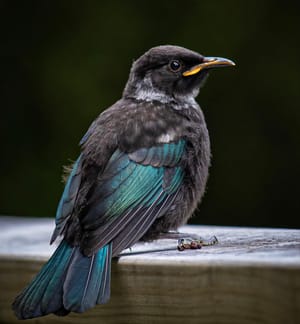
(208, 62)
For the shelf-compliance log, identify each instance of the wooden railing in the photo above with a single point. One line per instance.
(251, 276)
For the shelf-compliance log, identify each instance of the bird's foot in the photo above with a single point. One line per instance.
(185, 241)
(189, 240)
(189, 243)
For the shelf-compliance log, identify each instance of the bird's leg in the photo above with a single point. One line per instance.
(188, 240)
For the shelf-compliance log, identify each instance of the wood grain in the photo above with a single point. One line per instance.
(251, 276)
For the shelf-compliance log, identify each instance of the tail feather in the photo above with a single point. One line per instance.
(52, 298)
(104, 291)
(69, 281)
(34, 299)
(85, 279)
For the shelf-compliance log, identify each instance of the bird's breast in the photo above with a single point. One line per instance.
(149, 125)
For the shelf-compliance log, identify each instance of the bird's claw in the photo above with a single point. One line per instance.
(188, 243)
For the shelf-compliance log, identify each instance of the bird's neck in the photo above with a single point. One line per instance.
(145, 91)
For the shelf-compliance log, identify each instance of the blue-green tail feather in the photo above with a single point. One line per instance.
(84, 280)
(69, 281)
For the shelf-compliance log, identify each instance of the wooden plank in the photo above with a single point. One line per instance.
(251, 276)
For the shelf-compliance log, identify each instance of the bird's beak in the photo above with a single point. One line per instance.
(208, 62)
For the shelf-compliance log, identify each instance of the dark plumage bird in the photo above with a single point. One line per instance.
(141, 172)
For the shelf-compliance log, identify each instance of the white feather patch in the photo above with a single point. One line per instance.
(167, 137)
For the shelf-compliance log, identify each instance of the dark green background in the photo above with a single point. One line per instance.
(63, 62)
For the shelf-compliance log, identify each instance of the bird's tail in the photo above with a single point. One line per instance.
(68, 282)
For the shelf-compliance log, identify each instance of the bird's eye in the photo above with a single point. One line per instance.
(175, 66)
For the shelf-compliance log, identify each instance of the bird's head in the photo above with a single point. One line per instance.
(168, 73)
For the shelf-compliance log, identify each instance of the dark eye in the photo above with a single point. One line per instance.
(175, 66)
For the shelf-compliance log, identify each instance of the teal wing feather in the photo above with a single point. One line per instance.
(168, 154)
(133, 191)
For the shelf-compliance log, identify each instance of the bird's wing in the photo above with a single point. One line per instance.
(67, 200)
(133, 190)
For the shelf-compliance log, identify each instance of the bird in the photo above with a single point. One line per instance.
(141, 172)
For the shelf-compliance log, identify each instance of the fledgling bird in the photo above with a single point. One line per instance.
(142, 171)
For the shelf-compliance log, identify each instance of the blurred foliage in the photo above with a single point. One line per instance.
(63, 62)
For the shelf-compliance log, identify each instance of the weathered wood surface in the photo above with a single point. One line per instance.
(251, 276)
